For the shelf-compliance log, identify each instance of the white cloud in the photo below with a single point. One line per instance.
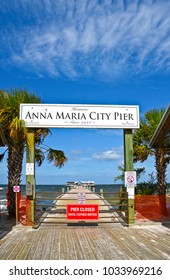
(109, 155)
(78, 38)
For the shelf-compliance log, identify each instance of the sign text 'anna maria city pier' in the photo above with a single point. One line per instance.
(80, 116)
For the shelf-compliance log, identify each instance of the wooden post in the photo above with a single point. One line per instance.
(128, 165)
(16, 204)
(30, 176)
(101, 193)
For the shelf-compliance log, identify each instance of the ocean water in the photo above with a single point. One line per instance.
(46, 194)
(51, 191)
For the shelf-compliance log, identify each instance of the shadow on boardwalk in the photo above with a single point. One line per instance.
(6, 224)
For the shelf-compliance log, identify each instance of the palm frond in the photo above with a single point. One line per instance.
(18, 132)
(57, 157)
(2, 156)
(141, 153)
(41, 134)
(39, 156)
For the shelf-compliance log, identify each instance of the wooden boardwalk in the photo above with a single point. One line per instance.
(109, 242)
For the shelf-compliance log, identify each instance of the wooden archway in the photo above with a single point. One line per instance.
(127, 117)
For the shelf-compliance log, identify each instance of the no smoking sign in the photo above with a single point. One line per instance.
(130, 178)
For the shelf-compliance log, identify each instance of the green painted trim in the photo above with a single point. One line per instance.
(30, 179)
(128, 150)
(128, 164)
(131, 211)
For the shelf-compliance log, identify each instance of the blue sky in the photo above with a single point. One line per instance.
(87, 52)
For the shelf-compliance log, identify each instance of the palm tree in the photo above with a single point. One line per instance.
(121, 176)
(16, 135)
(142, 150)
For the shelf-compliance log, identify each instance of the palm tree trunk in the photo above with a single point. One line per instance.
(161, 168)
(15, 158)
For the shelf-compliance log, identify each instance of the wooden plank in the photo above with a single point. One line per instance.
(106, 245)
(158, 243)
(116, 251)
(25, 246)
(55, 245)
(71, 249)
(62, 244)
(79, 243)
(163, 232)
(86, 249)
(140, 244)
(6, 242)
(93, 238)
(14, 245)
(145, 243)
(46, 253)
(128, 251)
(40, 245)
(34, 244)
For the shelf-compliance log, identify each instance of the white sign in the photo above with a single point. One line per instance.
(29, 189)
(29, 168)
(82, 116)
(131, 192)
(81, 198)
(16, 188)
(130, 178)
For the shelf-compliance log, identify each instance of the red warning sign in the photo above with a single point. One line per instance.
(82, 212)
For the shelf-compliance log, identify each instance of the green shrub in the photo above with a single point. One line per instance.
(149, 187)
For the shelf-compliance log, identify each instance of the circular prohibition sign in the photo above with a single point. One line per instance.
(16, 188)
(130, 179)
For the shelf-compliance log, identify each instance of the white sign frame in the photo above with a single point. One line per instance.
(29, 189)
(80, 116)
(130, 178)
(131, 192)
(29, 168)
(81, 198)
